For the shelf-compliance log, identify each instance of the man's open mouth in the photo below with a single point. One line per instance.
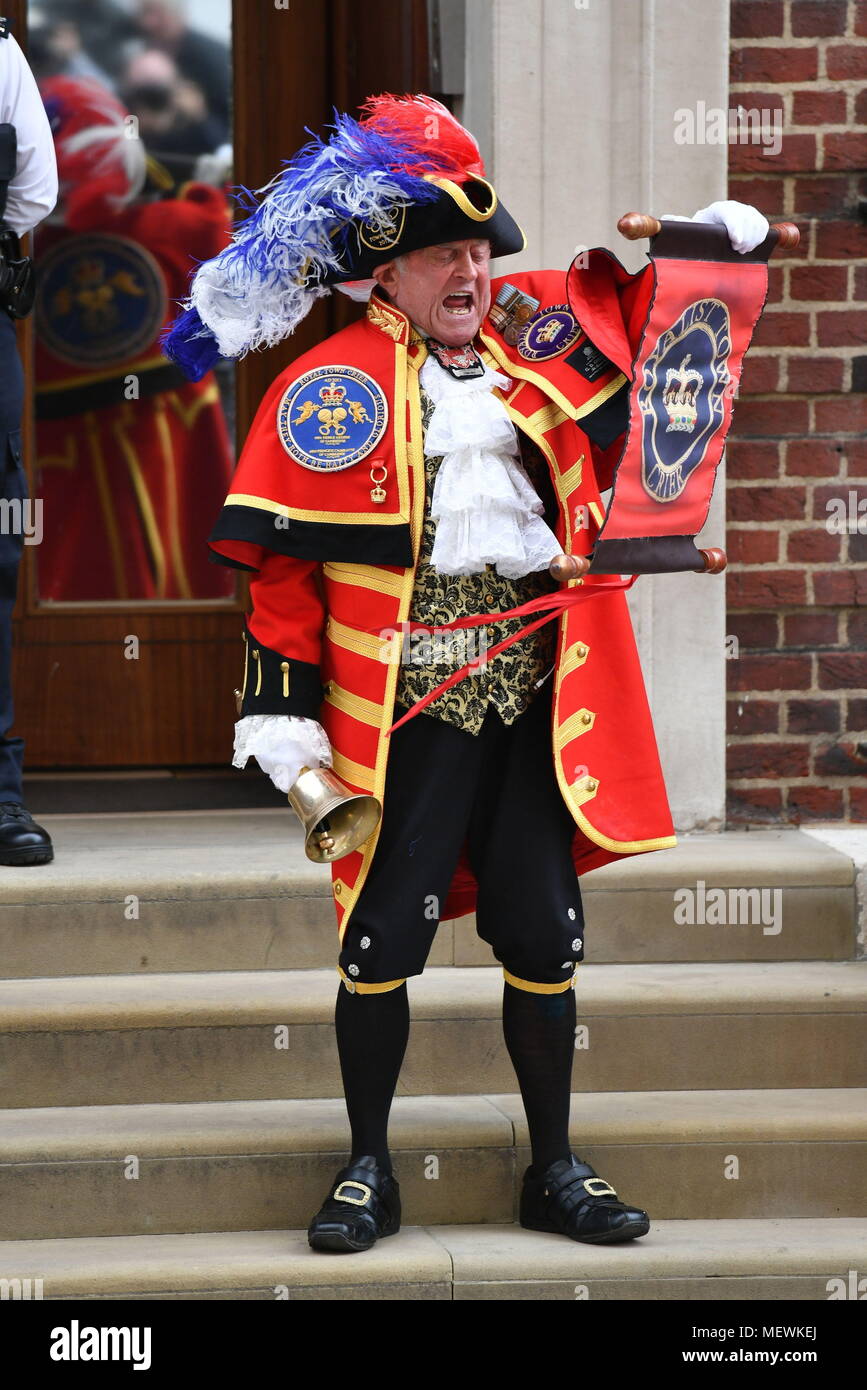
(460, 305)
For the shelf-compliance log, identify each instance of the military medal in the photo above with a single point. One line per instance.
(463, 363)
(510, 311)
(548, 334)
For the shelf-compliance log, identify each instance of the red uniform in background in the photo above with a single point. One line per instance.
(133, 458)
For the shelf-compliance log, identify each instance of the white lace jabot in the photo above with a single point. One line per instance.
(485, 507)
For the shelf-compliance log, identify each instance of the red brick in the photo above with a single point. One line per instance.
(822, 193)
(844, 61)
(813, 716)
(797, 153)
(861, 18)
(752, 716)
(856, 718)
(775, 418)
(753, 547)
(756, 19)
(815, 374)
(861, 107)
(816, 18)
(819, 282)
(761, 375)
(844, 149)
(855, 455)
(816, 803)
(782, 328)
(775, 283)
(858, 804)
(766, 760)
(774, 65)
(752, 804)
(767, 588)
(766, 503)
(754, 629)
(768, 194)
(856, 635)
(810, 629)
(844, 415)
(844, 588)
(813, 458)
(841, 327)
(770, 673)
(842, 671)
(844, 759)
(813, 547)
(816, 107)
(752, 459)
(856, 542)
(840, 241)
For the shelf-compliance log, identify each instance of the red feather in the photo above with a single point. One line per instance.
(425, 123)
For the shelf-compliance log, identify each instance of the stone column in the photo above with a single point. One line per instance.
(574, 104)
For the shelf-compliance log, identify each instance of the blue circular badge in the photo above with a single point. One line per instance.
(547, 335)
(331, 417)
(101, 300)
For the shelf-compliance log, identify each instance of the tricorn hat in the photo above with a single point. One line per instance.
(406, 176)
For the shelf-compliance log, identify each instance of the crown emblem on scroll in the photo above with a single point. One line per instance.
(332, 393)
(681, 388)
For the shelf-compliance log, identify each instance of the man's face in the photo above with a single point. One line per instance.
(446, 289)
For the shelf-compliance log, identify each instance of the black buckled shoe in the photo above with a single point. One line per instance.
(570, 1199)
(363, 1205)
(22, 841)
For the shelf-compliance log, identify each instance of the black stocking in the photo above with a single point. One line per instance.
(372, 1033)
(539, 1030)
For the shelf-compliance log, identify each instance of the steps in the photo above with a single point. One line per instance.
(234, 891)
(172, 1098)
(717, 1260)
(259, 1165)
(90, 1040)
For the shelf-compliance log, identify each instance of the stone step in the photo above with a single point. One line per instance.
(96, 1040)
(767, 1259)
(254, 1165)
(151, 893)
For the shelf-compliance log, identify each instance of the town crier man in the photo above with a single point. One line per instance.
(422, 466)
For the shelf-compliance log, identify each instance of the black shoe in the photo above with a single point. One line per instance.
(363, 1205)
(22, 841)
(569, 1198)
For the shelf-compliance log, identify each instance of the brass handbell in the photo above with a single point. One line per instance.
(335, 820)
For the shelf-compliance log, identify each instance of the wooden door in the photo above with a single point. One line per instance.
(128, 680)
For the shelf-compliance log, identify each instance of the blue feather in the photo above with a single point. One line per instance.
(190, 344)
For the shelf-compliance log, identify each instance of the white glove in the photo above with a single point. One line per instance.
(746, 226)
(281, 744)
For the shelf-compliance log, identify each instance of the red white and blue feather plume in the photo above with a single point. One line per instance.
(256, 291)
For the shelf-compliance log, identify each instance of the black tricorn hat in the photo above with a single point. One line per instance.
(459, 212)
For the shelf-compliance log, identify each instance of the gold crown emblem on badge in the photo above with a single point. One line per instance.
(681, 389)
(332, 393)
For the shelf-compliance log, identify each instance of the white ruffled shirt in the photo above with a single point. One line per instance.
(486, 512)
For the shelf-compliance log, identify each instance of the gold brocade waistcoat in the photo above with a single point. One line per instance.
(508, 681)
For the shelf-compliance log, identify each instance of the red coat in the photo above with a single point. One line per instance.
(335, 572)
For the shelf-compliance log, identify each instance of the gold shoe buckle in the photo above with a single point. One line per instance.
(604, 1190)
(339, 1195)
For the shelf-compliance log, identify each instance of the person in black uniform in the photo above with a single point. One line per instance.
(28, 192)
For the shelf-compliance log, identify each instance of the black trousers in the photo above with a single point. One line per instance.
(497, 789)
(13, 488)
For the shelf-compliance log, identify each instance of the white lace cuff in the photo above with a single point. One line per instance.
(281, 744)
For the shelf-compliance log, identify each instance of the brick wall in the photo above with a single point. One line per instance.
(797, 701)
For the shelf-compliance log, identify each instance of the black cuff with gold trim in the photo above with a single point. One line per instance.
(277, 684)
